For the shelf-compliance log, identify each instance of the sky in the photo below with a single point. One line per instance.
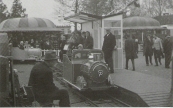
(37, 8)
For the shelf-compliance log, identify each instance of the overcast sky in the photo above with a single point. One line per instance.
(37, 8)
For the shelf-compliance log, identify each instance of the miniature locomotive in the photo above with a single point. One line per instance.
(86, 70)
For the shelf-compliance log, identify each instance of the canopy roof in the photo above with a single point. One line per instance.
(82, 17)
(138, 22)
(27, 24)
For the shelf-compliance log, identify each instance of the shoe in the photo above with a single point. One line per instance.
(156, 65)
(160, 63)
(133, 70)
(147, 64)
(126, 68)
(151, 63)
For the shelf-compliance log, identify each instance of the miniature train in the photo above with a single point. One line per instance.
(86, 70)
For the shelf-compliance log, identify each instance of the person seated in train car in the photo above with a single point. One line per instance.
(77, 39)
(21, 45)
(79, 55)
(41, 80)
(14, 41)
(88, 41)
(47, 45)
(41, 41)
(80, 47)
(32, 43)
(26, 44)
(37, 44)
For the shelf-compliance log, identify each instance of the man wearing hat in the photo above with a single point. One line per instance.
(147, 49)
(41, 80)
(107, 48)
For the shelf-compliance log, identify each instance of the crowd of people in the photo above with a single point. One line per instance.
(152, 46)
(43, 41)
(77, 40)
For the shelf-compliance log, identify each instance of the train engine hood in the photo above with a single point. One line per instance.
(97, 71)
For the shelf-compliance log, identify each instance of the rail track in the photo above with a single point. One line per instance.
(92, 98)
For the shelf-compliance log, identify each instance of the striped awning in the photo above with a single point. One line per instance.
(27, 24)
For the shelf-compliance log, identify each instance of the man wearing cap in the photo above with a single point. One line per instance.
(41, 79)
(108, 46)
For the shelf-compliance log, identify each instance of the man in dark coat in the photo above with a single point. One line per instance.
(147, 49)
(88, 41)
(130, 51)
(41, 79)
(107, 48)
(167, 46)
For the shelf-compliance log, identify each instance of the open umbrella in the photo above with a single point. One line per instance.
(27, 24)
(138, 22)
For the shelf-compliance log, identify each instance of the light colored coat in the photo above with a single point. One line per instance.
(157, 44)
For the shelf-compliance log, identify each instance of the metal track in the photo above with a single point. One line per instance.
(117, 100)
(100, 102)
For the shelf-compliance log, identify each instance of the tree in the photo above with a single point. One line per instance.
(154, 8)
(97, 7)
(17, 10)
(3, 12)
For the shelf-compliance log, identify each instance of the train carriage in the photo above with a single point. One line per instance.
(25, 29)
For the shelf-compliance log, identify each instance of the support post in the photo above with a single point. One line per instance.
(142, 36)
(76, 9)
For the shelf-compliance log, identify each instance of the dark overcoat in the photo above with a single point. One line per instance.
(147, 47)
(88, 42)
(130, 49)
(108, 45)
(41, 79)
(168, 45)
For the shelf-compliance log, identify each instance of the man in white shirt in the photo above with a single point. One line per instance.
(157, 46)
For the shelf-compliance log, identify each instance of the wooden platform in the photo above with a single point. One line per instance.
(155, 91)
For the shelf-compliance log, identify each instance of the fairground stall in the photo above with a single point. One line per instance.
(29, 38)
(97, 25)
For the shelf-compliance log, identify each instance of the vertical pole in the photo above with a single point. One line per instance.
(76, 8)
(142, 36)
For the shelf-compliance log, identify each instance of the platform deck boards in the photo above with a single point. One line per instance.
(155, 91)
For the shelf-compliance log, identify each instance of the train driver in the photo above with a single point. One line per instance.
(21, 45)
(41, 79)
